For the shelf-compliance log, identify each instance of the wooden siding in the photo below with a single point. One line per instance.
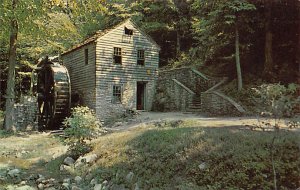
(82, 76)
(128, 73)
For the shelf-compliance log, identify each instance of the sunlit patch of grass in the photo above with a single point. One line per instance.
(14, 162)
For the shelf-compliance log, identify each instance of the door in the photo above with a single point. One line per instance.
(140, 95)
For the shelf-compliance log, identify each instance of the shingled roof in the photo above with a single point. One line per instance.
(101, 33)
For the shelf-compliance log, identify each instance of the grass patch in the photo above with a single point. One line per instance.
(186, 156)
(5, 134)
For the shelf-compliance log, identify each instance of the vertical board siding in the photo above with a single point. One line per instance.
(127, 74)
(95, 81)
(82, 76)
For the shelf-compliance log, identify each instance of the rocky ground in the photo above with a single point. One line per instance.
(38, 161)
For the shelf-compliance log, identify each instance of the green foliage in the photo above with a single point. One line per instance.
(277, 99)
(214, 24)
(5, 133)
(81, 127)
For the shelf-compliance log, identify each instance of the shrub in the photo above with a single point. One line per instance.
(277, 99)
(81, 127)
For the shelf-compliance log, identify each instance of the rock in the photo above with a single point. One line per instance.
(26, 187)
(202, 166)
(69, 161)
(90, 158)
(33, 177)
(14, 173)
(23, 182)
(105, 182)
(94, 181)
(64, 168)
(50, 188)
(136, 186)
(117, 124)
(78, 179)
(79, 164)
(75, 188)
(85, 160)
(40, 179)
(129, 177)
(65, 186)
(98, 187)
(67, 180)
(41, 186)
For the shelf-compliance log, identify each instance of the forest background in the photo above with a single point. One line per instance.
(249, 41)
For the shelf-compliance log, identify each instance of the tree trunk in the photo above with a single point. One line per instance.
(10, 91)
(237, 58)
(268, 67)
(298, 50)
(178, 43)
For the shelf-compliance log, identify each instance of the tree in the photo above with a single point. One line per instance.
(217, 27)
(268, 67)
(31, 19)
(10, 95)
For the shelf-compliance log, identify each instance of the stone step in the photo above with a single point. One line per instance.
(193, 110)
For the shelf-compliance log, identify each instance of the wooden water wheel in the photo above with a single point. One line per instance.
(53, 93)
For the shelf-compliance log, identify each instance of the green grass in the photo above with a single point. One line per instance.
(168, 155)
(5, 134)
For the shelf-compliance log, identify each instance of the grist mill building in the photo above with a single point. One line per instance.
(114, 70)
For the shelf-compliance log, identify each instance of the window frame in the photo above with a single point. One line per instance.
(117, 54)
(128, 31)
(116, 94)
(86, 56)
(140, 60)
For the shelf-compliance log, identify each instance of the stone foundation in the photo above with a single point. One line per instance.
(25, 114)
(171, 97)
(216, 103)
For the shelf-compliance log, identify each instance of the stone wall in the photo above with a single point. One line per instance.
(191, 78)
(171, 97)
(176, 88)
(111, 110)
(25, 114)
(216, 103)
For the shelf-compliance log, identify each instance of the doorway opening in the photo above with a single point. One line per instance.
(140, 95)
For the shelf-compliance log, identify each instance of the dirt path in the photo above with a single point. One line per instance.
(144, 118)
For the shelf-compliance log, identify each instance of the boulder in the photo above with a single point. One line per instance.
(75, 188)
(14, 173)
(78, 179)
(98, 187)
(40, 186)
(94, 181)
(65, 186)
(69, 161)
(86, 159)
(67, 180)
(202, 166)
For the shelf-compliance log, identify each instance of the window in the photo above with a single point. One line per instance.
(117, 94)
(128, 31)
(86, 56)
(141, 57)
(117, 55)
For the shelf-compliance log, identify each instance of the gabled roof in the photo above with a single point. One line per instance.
(101, 33)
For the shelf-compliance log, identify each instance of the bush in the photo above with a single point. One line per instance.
(277, 99)
(81, 127)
